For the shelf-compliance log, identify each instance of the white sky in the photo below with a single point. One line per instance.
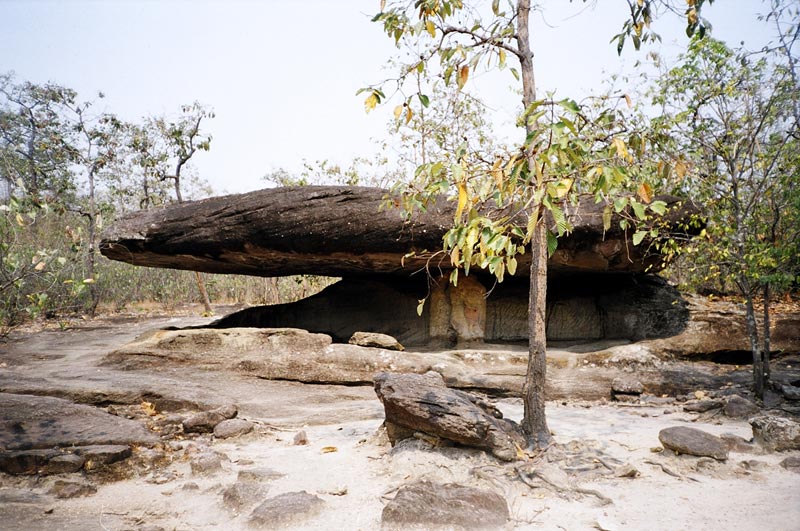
(282, 75)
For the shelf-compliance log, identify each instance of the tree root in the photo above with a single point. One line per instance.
(669, 472)
(561, 489)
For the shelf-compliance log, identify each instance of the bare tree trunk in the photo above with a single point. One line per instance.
(767, 339)
(534, 422)
(203, 293)
(752, 334)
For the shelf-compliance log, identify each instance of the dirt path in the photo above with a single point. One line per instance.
(349, 466)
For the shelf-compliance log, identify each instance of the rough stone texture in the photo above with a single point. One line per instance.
(691, 441)
(792, 463)
(422, 402)
(701, 406)
(206, 421)
(285, 509)
(259, 474)
(26, 462)
(232, 428)
(737, 407)
(626, 385)
(71, 489)
(776, 434)
(97, 456)
(63, 464)
(458, 311)
(737, 444)
(206, 463)
(429, 504)
(28, 421)
(790, 392)
(376, 340)
(337, 231)
(243, 494)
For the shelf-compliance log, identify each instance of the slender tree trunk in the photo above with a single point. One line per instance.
(92, 237)
(767, 337)
(203, 293)
(752, 334)
(534, 422)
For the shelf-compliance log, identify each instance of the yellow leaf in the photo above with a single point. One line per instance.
(645, 192)
(512, 266)
(398, 111)
(20, 220)
(455, 255)
(622, 149)
(502, 55)
(628, 101)
(497, 173)
(370, 102)
(409, 114)
(462, 199)
(563, 187)
(681, 169)
(40, 266)
(430, 27)
(329, 449)
(463, 76)
(149, 409)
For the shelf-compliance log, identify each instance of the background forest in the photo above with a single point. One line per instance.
(718, 126)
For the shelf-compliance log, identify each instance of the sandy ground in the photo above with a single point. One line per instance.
(349, 464)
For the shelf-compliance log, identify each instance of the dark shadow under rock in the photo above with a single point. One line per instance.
(430, 505)
(422, 403)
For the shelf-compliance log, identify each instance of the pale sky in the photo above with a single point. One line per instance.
(282, 75)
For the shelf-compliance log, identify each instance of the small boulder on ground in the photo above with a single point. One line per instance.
(232, 428)
(375, 339)
(737, 407)
(423, 403)
(71, 489)
(206, 421)
(243, 494)
(691, 441)
(428, 504)
(701, 406)
(206, 462)
(792, 463)
(285, 509)
(776, 434)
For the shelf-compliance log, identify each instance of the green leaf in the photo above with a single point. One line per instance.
(424, 100)
(420, 306)
(659, 207)
(552, 243)
(607, 212)
(638, 209)
(512, 266)
(454, 277)
(638, 236)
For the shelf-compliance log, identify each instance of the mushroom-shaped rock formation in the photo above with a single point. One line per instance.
(597, 288)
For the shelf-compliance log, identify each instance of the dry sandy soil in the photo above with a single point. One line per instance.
(349, 464)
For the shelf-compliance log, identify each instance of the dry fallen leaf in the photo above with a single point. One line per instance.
(329, 449)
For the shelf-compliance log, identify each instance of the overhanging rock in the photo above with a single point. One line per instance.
(339, 231)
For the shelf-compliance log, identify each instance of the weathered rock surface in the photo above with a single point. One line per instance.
(206, 462)
(376, 340)
(422, 403)
(232, 428)
(243, 494)
(71, 489)
(738, 407)
(335, 231)
(285, 509)
(428, 504)
(206, 421)
(691, 441)
(776, 434)
(28, 421)
(791, 463)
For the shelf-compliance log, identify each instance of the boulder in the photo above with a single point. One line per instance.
(286, 509)
(232, 428)
(791, 463)
(206, 421)
(30, 422)
(243, 494)
(422, 403)
(426, 504)
(376, 340)
(738, 407)
(71, 489)
(340, 231)
(776, 434)
(691, 441)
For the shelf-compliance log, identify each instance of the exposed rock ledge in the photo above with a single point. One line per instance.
(336, 231)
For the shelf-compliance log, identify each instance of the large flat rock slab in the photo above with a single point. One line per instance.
(31, 422)
(338, 231)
